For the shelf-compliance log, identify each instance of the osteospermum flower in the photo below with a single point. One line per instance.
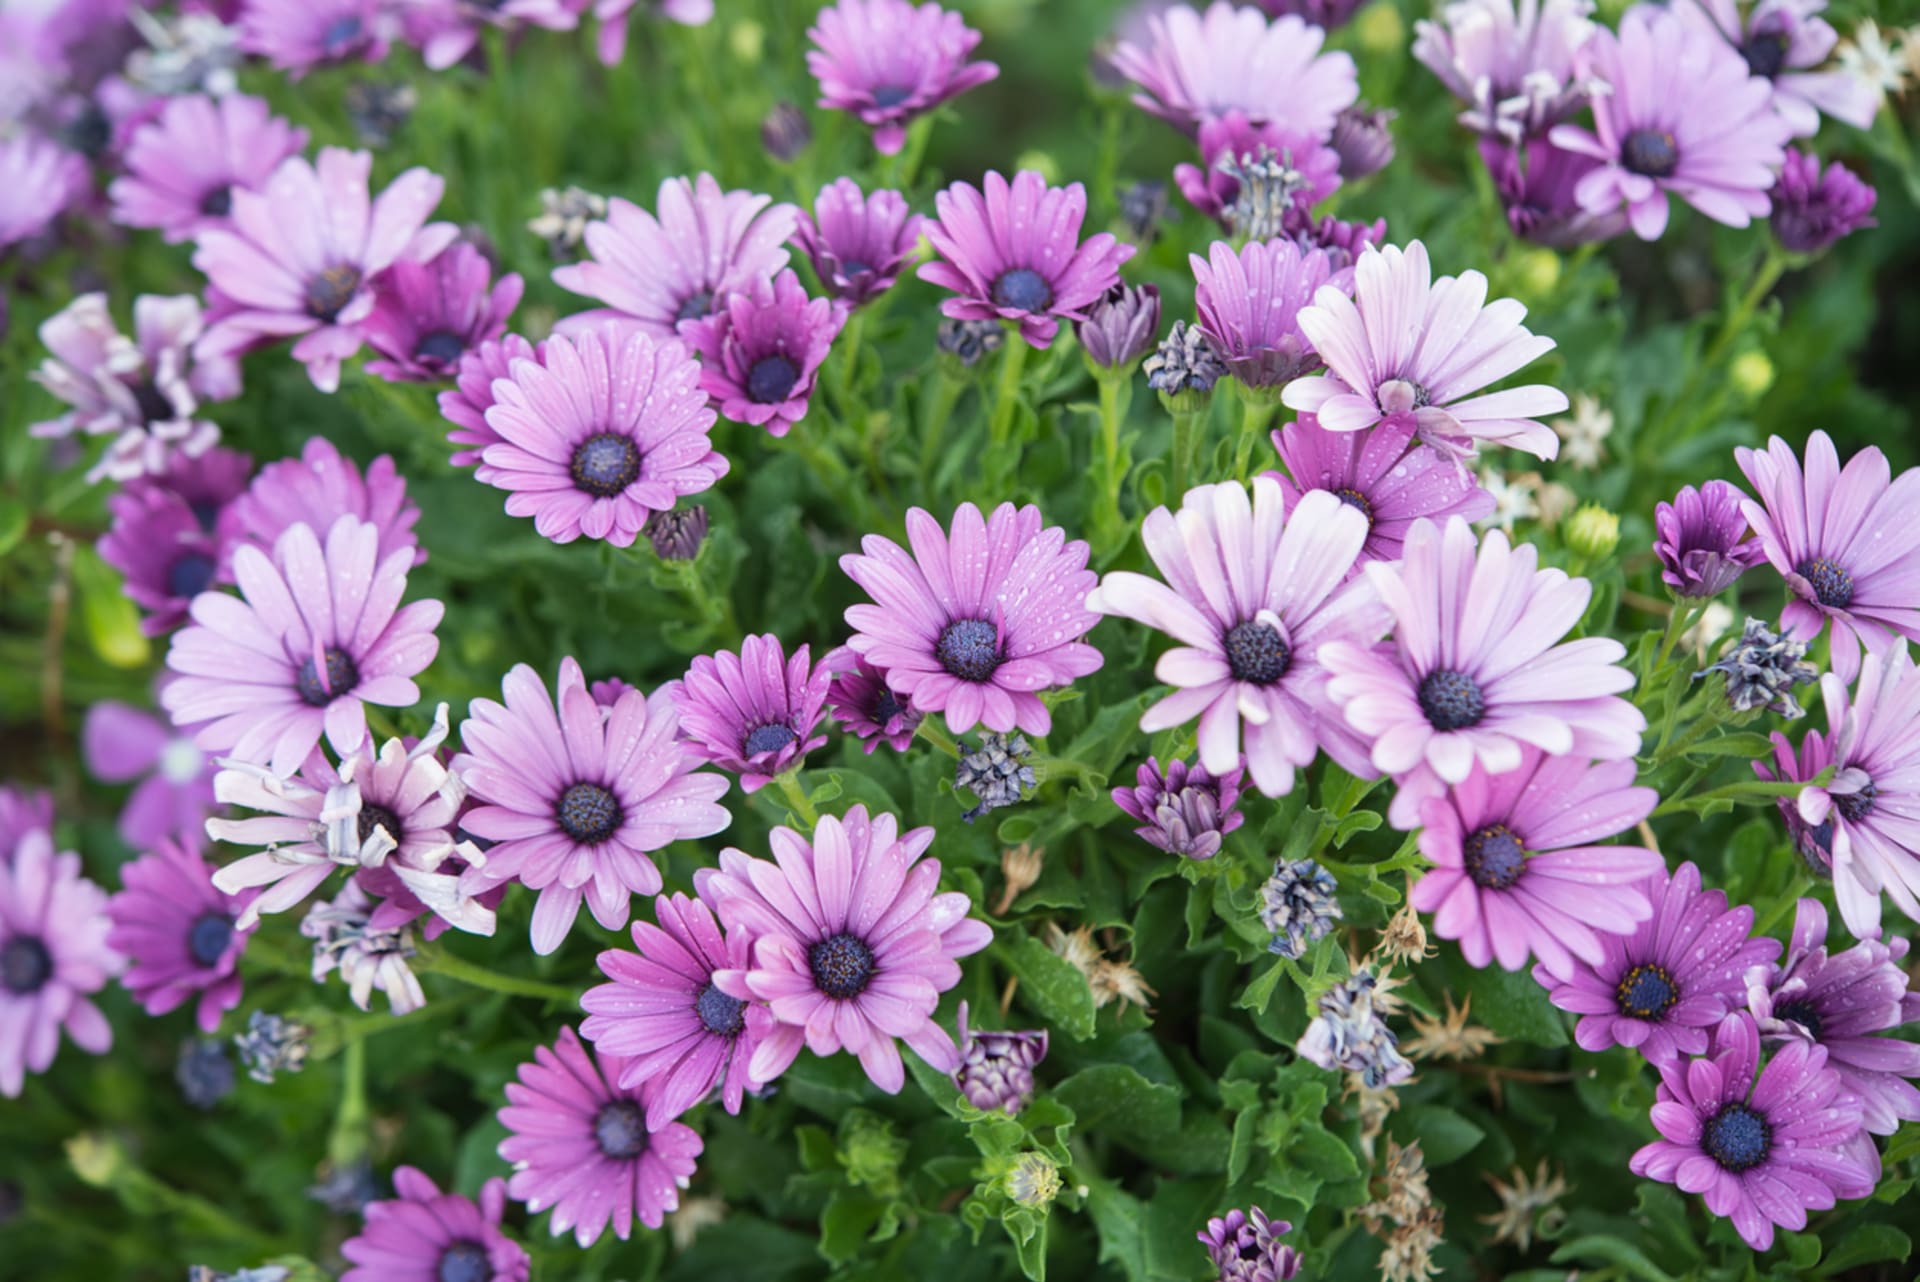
(852, 947)
(1683, 115)
(1182, 810)
(995, 1073)
(424, 1235)
(317, 633)
(1813, 209)
(302, 252)
(298, 35)
(207, 483)
(1517, 64)
(445, 31)
(753, 713)
(654, 272)
(427, 316)
(1701, 540)
(53, 956)
(1661, 987)
(600, 432)
(580, 1145)
(22, 810)
(1384, 472)
(1405, 344)
(1845, 541)
(178, 933)
(122, 743)
(370, 959)
(760, 350)
(38, 180)
(466, 403)
(1014, 252)
(1195, 67)
(663, 1014)
(574, 796)
(973, 623)
(1244, 1246)
(183, 166)
(1764, 1144)
(613, 16)
(890, 62)
(1296, 170)
(319, 488)
(858, 244)
(1539, 185)
(1477, 671)
(1253, 593)
(1249, 303)
(865, 705)
(1785, 42)
(164, 557)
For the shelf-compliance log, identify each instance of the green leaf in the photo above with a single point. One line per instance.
(1322, 1152)
(846, 1223)
(1514, 1006)
(1056, 989)
(112, 622)
(1260, 991)
(13, 524)
(1119, 1217)
(1116, 1100)
(1803, 1250)
(1868, 1244)
(1600, 1249)
(1444, 1135)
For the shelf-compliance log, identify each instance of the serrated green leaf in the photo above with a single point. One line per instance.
(1444, 1135)
(1056, 989)
(1257, 994)
(14, 519)
(1114, 1099)
(1600, 1249)
(1514, 1006)
(1867, 1244)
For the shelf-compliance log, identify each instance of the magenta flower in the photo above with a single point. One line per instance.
(164, 556)
(122, 743)
(599, 432)
(182, 167)
(1245, 1247)
(1812, 210)
(1252, 593)
(1183, 810)
(424, 1235)
(1764, 1149)
(974, 623)
(575, 796)
(53, 956)
(466, 403)
(581, 1145)
(1405, 344)
(1539, 185)
(1701, 540)
(1785, 42)
(22, 810)
(302, 253)
(38, 181)
(1684, 115)
(298, 35)
(654, 273)
(667, 1019)
(1231, 141)
(890, 62)
(317, 633)
(858, 244)
(427, 315)
(1518, 65)
(1663, 985)
(1814, 842)
(1014, 252)
(1477, 671)
(445, 31)
(208, 484)
(1384, 472)
(177, 932)
(760, 350)
(613, 16)
(319, 488)
(1249, 303)
(753, 713)
(865, 705)
(1845, 541)
(852, 947)
(1198, 67)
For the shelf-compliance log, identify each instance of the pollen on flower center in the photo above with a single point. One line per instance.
(318, 689)
(589, 813)
(771, 379)
(372, 816)
(1855, 806)
(208, 937)
(1737, 1138)
(1646, 992)
(1832, 586)
(217, 203)
(969, 649)
(464, 1260)
(330, 291)
(604, 465)
(25, 964)
(1494, 857)
(842, 966)
(1650, 152)
(891, 95)
(440, 347)
(154, 407)
(190, 574)
(1451, 700)
(1256, 653)
(1358, 501)
(620, 1129)
(1023, 290)
(1766, 53)
(771, 737)
(697, 304)
(1802, 1012)
(720, 1014)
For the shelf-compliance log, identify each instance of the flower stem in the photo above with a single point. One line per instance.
(715, 608)
(441, 962)
(797, 799)
(1186, 428)
(936, 734)
(1116, 390)
(937, 400)
(1006, 395)
(1783, 904)
(1756, 791)
(1253, 417)
(347, 1141)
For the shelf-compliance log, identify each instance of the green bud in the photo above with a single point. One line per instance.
(747, 40)
(1752, 374)
(1593, 532)
(871, 1152)
(1041, 162)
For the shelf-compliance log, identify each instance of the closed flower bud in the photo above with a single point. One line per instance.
(1122, 327)
(1034, 1180)
(785, 133)
(1593, 532)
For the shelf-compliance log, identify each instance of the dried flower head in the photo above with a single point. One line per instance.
(1451, 1036)
(1762, 669)
(1021, 866)
(272, 1045)
(1527, 1205)
(995, 772)
(1112, 980)
(1297, 905)
(1404, 941)
(563, 218)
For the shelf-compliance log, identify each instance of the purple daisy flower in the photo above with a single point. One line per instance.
(575, 796)
(1184, 810)
(208, 484)
(1231, 143)
(1244, 1247)
(1701, 540)
(317, 633)
(665, 1017)
(164, 556)
(1384, 472)
(53, 955)
(654, 273)
(858, 244)
(1785, 42)
(121, 743)
(38, 181)
(1121, 328)
(1406, 344)
(1683, 115)
(890, 62)
(1517, 64)
(445, 31)
(183, 166)
(1845, 541)
(427, 316)
(22, 810)
(753, 713)
(852, 946)
(424, 1235)
(613, 16)
(177, 932)
(1764, 1149)
(1538, 184)
(1196, 67)
(302, 252)
(1663, 985)
(581, 1145)
(1814, 842)
(598, 433)
(1812, 210)
(996, 1067)
(298, 35)
(865, 705)
(1014, 252)
(319, 488)
(466, 403)
(760, 350)
(974, 623)
(1843, 1002)
(1248, 304)
(1476, 671)
(1253, 594)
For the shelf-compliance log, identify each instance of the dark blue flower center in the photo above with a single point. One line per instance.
(885, 706)
(1494, 856)
(1023, 290)
(720, 1014)
(154, 406)
(1855, 806)
(1800, 1011)
(1832, 586)
(440, 348)
(319, 689)
(190, 574)
(891, 95)
(217, 203)
(340, 34)
(206, 512)
(842, 966)
(589, 813)
(208, 937)
(771, 379)
(620, 1129)
(1650, 152)
(1358, 501)
(330, 291)
(698, 304)
(852, 267)
(464, 1260)
(1255, 653)
(372, 816)
(1646, 992)
(89, 132)
(1737, 1138)
(1766, 53)
(768, 738)
(969, 649)
(1451, 700)
(25, 964)
(604, 465)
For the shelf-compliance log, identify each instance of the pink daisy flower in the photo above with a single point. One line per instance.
(424, 1235)
(760, 350)
(613, 16)
(208, 484)
(852, 947)
(890, 62)
(183, 166)
(1786, 42)
(53, 955)
(319, 488)
(178, 933)
(122, 743)
(298, 35)
(164, 556)
(445, 31)
(1233, 140)
(466, 403)
(580, 1145)
(38, 181)
(974, 623)
(22, 810)
(1516, 64)
(427, 315)
(865, 705)
(1253, 593)
(1249, 303)
(753, 713)
(858, 244)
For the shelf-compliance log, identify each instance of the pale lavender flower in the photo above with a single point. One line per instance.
(1516, 64)
(183, 166)
(890, 61)
(1183, 810)
(996, 1068)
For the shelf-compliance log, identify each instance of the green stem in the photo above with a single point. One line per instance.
(441, 962)
(1783, 904)
(797, 799)
(1116, 390)
(1756, 791)
(714, 607)
(1741, 316)
(936, 734)
(906, 162)
(1679, 619)
(1253, 417)
(347, 1142)
(1006, 394)
(849, 364)
(1186, 424)
(936, 407)
(1046, 768)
